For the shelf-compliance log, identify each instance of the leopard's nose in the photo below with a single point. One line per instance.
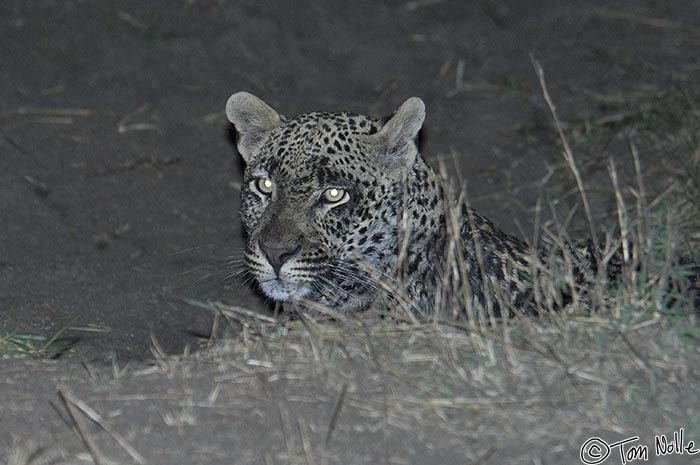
(277, 253)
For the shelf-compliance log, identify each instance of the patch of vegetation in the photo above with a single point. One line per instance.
(35, 346)
(30, 453)
(616, 361)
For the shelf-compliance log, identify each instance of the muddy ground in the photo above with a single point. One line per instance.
(119, 180)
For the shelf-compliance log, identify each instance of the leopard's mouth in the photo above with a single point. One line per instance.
(282, 290)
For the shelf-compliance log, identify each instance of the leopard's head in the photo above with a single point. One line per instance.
(321, 198)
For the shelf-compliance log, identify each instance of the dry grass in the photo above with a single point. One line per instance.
(623, 371)
(31, 454)
(380, 387)
(388, 387)
(618, 361)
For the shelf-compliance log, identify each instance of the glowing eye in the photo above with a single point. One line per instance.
(265, 185)
(334, 195)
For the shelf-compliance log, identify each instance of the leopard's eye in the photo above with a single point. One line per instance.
(335, 195)
(264, 185)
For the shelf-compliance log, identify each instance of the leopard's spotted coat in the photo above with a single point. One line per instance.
(390, 234)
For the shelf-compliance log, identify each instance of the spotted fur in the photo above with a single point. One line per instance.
(398, 232)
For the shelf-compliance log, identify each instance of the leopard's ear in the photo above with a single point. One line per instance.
(254, 120)
(395, 143)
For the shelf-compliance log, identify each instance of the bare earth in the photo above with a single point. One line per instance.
(119, 200)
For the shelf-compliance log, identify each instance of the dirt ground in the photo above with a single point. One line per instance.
(119, 179)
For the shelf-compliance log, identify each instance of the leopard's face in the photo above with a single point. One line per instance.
(319, 207)
(318, 213)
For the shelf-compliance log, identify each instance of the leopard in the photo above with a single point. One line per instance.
(342, 212)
